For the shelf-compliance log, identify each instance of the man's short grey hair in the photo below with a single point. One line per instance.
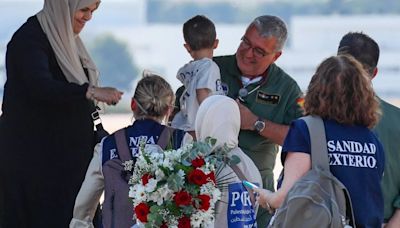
(271, 26)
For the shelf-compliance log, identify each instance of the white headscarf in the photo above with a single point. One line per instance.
(56, 21)
(218, 117)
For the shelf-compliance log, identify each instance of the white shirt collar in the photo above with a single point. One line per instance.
(247, 81)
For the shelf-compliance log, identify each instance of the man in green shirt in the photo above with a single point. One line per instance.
(366, 51)
(268, 98)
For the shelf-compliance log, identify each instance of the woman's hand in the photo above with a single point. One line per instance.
(263, 198)
(108, 95)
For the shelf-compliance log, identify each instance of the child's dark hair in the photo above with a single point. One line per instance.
(199, 32)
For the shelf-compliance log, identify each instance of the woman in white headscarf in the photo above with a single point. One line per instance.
(219, 117)
(46, 128)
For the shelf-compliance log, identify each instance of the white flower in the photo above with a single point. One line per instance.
(181, 174)
(137, 193)
(128, 165)
(162, 194)
(156, 197)
(202, 218)
(159, 174)
(196, 219)
(131, 193)
(216, 195)
(167, 163)
(153, 149)
(151, 185)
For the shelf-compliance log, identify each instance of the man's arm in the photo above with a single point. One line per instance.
(273, 131)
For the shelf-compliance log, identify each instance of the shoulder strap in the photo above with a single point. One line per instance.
(319, 152)
(241, 176)
(319, 157)
(122, 145)
(165, 137)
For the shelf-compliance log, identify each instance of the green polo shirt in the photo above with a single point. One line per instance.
(388, 132)
(275, 100)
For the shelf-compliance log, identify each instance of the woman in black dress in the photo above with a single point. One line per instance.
(46, 128)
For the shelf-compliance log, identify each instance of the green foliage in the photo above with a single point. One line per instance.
(175, 182)
(154, 217)
(188, 210)
(234, 160)
(114, 61)
(172, 208)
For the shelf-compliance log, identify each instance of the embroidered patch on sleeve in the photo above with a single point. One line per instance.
(300, 102)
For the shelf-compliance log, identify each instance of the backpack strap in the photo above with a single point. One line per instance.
(319, 157)
(241, 176)
(165, 137)
(319, 152)
(122, 145)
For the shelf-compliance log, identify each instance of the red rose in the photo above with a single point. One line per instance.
(141, 211)
(184, 222)
(204, 203)
(198, 162)
(145, 178)
(211, 177)
(164, 225)
(182, 198)
(197, 176)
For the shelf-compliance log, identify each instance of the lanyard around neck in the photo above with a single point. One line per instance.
(243, 92)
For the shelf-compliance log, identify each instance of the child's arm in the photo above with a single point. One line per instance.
(89, 195)
(202, 94)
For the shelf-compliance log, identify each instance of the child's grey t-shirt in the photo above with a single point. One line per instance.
(198, 74)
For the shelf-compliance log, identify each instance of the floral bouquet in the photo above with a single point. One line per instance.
(175, 188)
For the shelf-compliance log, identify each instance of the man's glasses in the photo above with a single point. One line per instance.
(257, 52)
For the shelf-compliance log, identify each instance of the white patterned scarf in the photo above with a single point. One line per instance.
(56, 21)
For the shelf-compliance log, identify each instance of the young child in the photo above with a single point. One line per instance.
(200, 77)
(151, 104)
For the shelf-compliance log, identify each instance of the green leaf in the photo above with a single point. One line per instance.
(161, 183)
(166, 171)
(146, 158)
(155, 208)
(234, 160)
(185, 169)
(211, 141)
(187, 210)
(175, 182)
(192, 189)
(174, 210)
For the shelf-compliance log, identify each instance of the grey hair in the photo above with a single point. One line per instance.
(271, 26)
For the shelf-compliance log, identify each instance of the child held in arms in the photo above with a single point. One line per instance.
(201, 76)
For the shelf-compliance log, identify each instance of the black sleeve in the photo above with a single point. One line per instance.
(29, 61)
